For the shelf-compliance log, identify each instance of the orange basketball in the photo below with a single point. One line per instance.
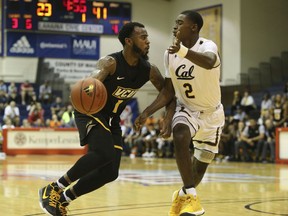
(88, 95)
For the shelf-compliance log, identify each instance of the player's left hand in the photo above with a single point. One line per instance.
(176, 45)
(140, 121)
(165, 131)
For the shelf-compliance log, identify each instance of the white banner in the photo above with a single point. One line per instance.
(71, 27)
(43, 139)
(71, 70)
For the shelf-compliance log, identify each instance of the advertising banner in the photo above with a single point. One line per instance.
(52, 46)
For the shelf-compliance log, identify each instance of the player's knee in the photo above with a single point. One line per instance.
(181, 132)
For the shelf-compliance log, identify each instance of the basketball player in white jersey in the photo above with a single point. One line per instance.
(192, 75)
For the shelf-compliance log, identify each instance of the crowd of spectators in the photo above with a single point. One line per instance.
(26, 105)
(249, 131)
(248, 134)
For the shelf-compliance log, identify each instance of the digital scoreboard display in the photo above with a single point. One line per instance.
(78, 16)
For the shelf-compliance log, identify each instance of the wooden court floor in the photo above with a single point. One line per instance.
(145, 187)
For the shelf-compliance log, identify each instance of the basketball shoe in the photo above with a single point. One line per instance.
(49, 198)
(177, 202)
(191, 206)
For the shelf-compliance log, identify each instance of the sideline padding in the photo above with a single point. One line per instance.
(42, 141)
(281, 145)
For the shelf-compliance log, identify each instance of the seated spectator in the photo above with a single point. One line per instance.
(266, 105)
(236, 102)
(26, 92)
(251, 139)
(247, 102)
(150, 141)
(58, 108)
(67, 119)
(25, 123)
(269, 142)
(3, 102)
(12, 88)
(279, 111)
(3, 87)
(36, 115)
(54, 122)
(8, 124)
(45, 92)
(12, 112)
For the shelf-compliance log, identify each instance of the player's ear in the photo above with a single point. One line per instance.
(128, 41)
(194, 27)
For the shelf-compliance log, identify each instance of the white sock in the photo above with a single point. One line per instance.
(191, 191)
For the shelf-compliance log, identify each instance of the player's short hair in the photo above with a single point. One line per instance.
(127, 30)
(195, 17)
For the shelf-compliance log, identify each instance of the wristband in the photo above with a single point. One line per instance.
(182, 52)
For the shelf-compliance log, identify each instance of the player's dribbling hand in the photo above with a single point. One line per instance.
(176, 45)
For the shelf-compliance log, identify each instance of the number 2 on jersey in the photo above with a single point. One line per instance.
(189, 90)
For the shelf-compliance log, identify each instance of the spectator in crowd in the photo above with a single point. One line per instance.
(12, 88)
(26, 123)
(3, 87)
(149, 140)
(27, 92)
(247, 102)
(13, 94)
(126, 120)
(12, 112)
(266, 106)
(67, 119)
(3, 102)
(269, 143)
(58, 108)
(53, 122)
(45, 92)
(279, 111)
(8, 124)
(251, 141)
(36, 115)
(228, 138)
(236, 102)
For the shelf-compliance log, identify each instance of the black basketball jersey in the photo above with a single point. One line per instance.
(124, 83)
(121, 87)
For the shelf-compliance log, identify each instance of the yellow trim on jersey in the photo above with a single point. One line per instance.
(118, 147)
(98, 120)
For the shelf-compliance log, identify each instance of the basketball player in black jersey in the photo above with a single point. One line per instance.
(123, 74)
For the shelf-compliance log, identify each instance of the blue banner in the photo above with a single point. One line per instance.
(21, 44)
(85, 47)
(52, 46)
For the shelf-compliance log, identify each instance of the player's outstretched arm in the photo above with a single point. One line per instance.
(164, 97)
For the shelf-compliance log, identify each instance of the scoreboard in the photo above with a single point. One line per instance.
(77, 16)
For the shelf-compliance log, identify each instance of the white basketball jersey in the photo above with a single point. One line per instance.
(196, 87)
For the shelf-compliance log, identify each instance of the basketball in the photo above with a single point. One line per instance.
(88, 95)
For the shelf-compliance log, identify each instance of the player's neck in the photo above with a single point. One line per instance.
(191, 42)
(130, 58)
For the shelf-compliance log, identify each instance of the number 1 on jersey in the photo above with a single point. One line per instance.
(117, 106)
